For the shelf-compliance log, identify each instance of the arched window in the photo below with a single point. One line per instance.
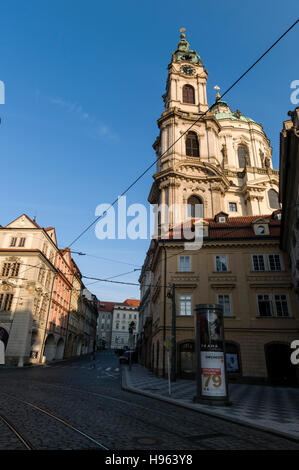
(273, 199)
(242, 156)
(195, 207)
(192, 146)
(188, 94)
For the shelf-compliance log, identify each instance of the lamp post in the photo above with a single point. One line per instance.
(131, 342)
(171, 295)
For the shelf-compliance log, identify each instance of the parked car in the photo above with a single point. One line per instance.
(125, 357)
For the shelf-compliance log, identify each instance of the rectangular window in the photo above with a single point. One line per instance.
(124, 315)
(186, 304)
(13, 241)
(117, 316)
(264, 305)
(274, 263)
(15, 268)
(221, 263)
(184, 264)
(258, 263)
(6, 304)
(281, 305)
(233, 207)
(1, 300)
(224, 299)
(5, 269)
(22, 241)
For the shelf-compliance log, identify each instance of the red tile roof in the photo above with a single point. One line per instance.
(234, 228)
(109, 306)
(132, 302)
(106, 306)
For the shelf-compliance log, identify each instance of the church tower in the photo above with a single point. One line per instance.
(220, 159)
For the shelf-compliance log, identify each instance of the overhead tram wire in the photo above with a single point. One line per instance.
(159, 158)
(80, 253)
(185, 132)
(113, 277)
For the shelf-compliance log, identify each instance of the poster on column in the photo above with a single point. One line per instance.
(212, 373)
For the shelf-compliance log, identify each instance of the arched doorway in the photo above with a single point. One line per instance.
(75, 347)
(153, 357)
(187, 359)
(50, 348)
(280, 369)
(3, 343)
(79, 347)
(60, 349)
(157, 358)
(35, 345)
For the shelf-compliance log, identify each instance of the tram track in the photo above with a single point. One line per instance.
(14, 430)
(49, 414)
(190, 438)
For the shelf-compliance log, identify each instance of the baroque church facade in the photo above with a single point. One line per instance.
(224, 161)
(220, 160)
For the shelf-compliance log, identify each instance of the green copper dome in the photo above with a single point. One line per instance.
(234, 117)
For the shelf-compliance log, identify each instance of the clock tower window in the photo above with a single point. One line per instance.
(188, 94)
(192, 146)
(195, 207)
(242, 156)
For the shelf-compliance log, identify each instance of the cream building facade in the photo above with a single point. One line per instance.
(27, 272)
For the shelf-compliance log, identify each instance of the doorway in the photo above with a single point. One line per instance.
(280, 369)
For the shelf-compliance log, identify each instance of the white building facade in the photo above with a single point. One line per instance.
(123, 316)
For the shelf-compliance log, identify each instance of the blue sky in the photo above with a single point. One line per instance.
(83, 92)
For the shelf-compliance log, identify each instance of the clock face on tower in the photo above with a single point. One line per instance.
(187, 69)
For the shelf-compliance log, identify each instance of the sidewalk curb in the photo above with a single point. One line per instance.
(191, 407)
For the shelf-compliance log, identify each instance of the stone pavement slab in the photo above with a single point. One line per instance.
(272, 409)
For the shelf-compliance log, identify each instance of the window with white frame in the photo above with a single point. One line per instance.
(258, 262)
(264, 305)
(184, 263)
(274, 262)
(281, 305)
(224, 299)
(185, 304)
(233, 207)
(221, 263)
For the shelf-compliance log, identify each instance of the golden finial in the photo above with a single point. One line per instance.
(182, 31)
(218, 96)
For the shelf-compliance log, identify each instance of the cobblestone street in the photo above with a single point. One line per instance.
(70, 405)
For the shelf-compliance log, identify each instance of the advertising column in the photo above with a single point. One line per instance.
(211, 377)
